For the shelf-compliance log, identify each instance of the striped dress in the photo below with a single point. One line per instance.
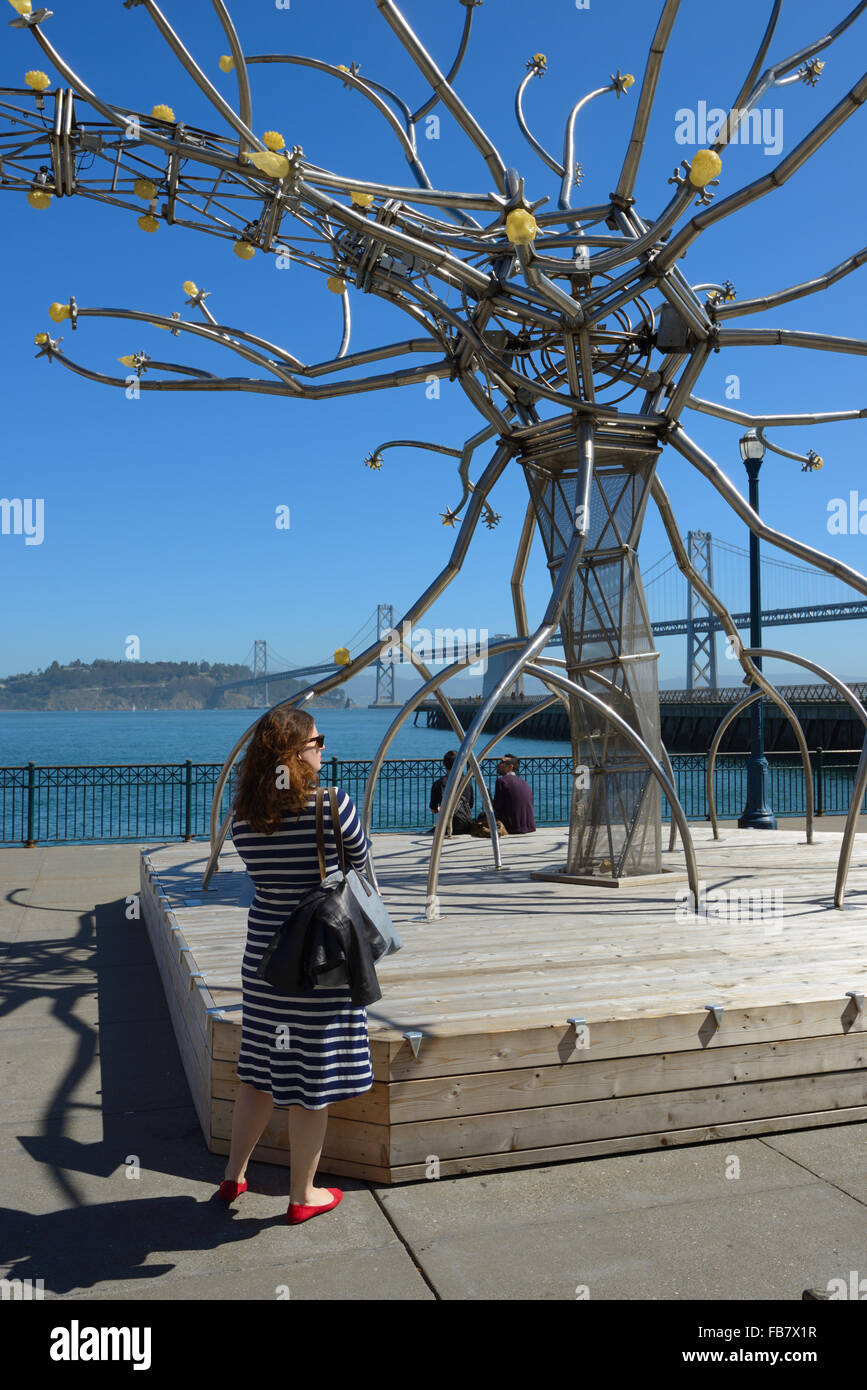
(305, 1049)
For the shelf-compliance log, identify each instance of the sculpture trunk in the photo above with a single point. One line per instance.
(615, 824)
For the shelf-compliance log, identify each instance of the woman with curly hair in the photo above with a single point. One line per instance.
(299, 1051)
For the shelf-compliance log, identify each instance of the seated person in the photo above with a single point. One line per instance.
(462, 817)
(513, 798)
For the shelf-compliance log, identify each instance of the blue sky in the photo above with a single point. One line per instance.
(159, 513)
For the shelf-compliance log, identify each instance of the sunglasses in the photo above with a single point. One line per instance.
(319, 740)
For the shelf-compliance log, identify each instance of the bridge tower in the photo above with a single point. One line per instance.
(384, 668)
(700, 646)
(260, 675)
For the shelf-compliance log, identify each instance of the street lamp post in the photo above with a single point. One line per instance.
(757, 814)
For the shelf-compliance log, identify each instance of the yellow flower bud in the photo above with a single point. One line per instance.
(244, 250)
(336, 284)
(342, 657)
(361, 200)
(39, 198)
(163, 113)
(227, 62)
(127, 361)
(37, 80)
(705, 166)
(58, 312)
(628, 80)
(275, 165)
(521, 227)
(40, 339)
(145, 188)
(273, 140)
(148, 222)
(190, 288)
(22, 6)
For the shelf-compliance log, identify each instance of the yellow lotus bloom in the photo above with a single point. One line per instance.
(273, 140)
(145, 188)
(148, 222)
(336, 284)
(227, 62)
(39, 198)
(58, 312)
(163, 113)
(244, 250)
(37, 80)
(705, 166)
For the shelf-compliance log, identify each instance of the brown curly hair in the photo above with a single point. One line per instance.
(271, 756)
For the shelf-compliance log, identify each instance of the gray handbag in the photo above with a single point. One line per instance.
(362, 890)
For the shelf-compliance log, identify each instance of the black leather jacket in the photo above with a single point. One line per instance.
(326, 929)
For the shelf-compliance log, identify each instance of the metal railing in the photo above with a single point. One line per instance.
(172, 801)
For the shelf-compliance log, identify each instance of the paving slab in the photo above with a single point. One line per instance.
(758, 1246)
(837, 1156)
(384, 1272)
(588, 1187)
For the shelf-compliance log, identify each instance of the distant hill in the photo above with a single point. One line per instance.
(146, 684)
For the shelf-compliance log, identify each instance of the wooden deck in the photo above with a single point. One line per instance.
(502, 1078)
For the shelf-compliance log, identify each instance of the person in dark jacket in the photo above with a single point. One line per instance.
(513, 798)
(462, 817)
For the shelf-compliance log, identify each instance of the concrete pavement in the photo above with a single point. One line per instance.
(108, 1188)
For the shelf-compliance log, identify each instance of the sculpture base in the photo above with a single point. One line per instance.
(626, 881)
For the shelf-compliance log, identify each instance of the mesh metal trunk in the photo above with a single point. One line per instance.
(615, 824)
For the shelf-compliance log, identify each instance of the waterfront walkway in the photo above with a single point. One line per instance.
(108, 1187)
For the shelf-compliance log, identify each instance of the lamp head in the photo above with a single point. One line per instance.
(751, 446)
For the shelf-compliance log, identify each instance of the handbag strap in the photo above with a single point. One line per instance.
(320, 830)
(335, 824)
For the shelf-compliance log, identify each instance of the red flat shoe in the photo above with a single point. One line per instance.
(297, 1213)
(230, 1190)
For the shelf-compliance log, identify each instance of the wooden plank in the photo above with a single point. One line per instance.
(600, 1148)
(505, 1131)
(451, 1051)
(350, 1140)
(371, 1105)
(481, 1092)
(364, 1172)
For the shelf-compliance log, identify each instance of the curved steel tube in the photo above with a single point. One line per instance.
(858, 790)
(244, 98)
(753, 672)
(490, 475)
(638, 744)
(530, 646)
(860, 782)
(727, 719)
(457, 727)
(430, 686)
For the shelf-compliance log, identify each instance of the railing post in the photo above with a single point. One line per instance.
(334, 772)
(820, 810)
(31, 797)
(188, 812)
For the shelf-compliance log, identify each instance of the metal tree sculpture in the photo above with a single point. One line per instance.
(563, 317)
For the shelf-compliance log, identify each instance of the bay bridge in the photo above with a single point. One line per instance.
(791, 594)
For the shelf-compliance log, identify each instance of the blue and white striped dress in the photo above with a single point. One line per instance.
(306, 1049)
